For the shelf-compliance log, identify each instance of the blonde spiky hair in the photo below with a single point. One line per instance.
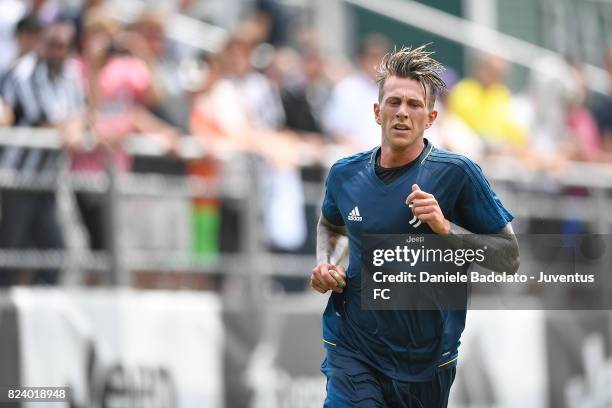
(416, 64)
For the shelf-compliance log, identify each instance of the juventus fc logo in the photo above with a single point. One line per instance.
(415, 222)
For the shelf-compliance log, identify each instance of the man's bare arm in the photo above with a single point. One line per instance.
(502, 253)
(332, 247)
(332, 243)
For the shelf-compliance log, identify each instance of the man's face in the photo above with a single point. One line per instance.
(403, 114)
(56, 44)
(27, 42)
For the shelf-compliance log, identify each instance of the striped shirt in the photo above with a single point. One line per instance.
(38, 99)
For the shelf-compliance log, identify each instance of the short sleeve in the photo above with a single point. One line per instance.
(329, 208)
(481, 211)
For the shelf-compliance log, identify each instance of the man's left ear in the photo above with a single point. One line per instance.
(431, 118)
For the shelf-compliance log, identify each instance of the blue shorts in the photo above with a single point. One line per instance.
(351, 384)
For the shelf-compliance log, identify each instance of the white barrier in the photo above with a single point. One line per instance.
(122, 348)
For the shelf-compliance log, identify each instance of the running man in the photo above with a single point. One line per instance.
(399, 358)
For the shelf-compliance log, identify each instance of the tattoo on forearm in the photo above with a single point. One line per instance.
(332, 243)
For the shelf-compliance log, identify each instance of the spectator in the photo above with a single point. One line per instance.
(584, 141)
(79, 15)
(484, 103)
(253, 122)
(258, 113)
(42, 90)
(171, 103)
(542, 109)
(119, 88)
(348, 118)
(304, 90)
(13, 11)
(553, 109)
(27, 35)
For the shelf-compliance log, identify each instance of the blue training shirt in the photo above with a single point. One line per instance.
(404, 345)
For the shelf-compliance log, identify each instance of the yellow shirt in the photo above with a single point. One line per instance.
(487, 111)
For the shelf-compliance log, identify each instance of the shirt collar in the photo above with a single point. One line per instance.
(428, 147)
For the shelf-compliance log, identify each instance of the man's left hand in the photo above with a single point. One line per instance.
(426, 208)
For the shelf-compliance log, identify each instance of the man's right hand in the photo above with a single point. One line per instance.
(326, 277)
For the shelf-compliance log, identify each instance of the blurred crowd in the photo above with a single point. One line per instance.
(270, 91)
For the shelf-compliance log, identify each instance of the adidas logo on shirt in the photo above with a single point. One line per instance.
(354, 215)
